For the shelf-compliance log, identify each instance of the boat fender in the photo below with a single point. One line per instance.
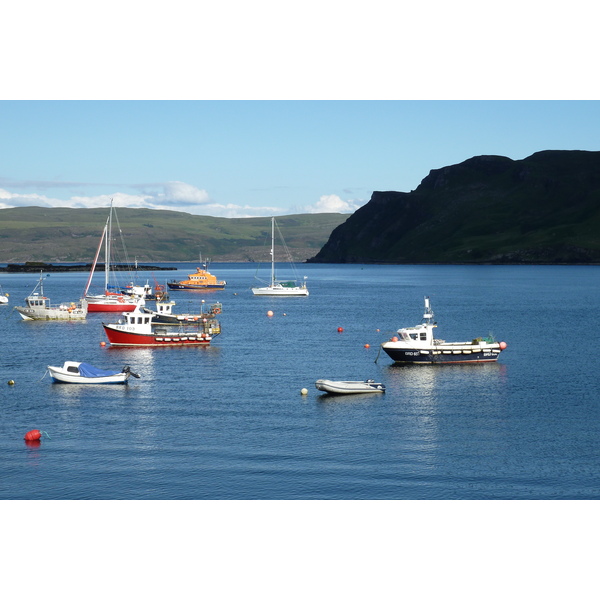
(503, 345)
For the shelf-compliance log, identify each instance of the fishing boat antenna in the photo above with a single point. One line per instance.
(428, 314)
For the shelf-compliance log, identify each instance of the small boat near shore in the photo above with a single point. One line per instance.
(349, 387)
(200, 280)
(137, 328)
(38, 308)
(3, 297)
(81, 372)
(417, 345)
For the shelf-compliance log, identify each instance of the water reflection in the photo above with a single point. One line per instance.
(366, 398)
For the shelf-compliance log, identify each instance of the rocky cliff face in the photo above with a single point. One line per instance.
(487, 209)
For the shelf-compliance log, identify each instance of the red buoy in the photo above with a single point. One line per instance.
(340, 329)
(34, 434)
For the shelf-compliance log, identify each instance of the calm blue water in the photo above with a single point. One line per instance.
(229, 421)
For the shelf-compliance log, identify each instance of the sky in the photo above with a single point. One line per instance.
(240, 158)
(242, 110)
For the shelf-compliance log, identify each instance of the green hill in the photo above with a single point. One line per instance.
(72, 235)
(488, 209)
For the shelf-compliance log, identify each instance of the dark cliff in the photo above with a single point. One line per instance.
(488, 209)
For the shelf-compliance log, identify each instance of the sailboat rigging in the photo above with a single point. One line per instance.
(280, 288)
(109, 301)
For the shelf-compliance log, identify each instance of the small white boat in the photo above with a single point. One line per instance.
(80, 372)
(349, 387)
(3, 297)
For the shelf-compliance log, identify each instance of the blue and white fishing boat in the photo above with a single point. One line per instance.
(417, 345)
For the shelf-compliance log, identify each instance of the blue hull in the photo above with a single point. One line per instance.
(417, 357)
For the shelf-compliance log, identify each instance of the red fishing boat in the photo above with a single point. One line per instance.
(136, 328)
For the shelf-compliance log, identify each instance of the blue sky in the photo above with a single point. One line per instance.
(241, 109)
(256, 158)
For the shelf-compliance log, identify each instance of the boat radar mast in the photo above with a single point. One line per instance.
(428, 314)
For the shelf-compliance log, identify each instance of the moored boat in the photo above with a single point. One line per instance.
(277, 287)
(81, 372)
(112, 299)
(200, 280)
(417, 345)
(349, 387)
(3, 297)
(137, 328)
(38, 307)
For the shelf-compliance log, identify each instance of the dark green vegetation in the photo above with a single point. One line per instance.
(488, 209)
(72, 235)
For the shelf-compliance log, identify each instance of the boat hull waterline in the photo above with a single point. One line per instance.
(275, 290)
(107, 304)
(118, 337)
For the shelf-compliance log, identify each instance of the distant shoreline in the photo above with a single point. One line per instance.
(35, 267)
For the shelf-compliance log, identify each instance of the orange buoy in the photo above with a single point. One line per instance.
(503, 345)
(367, 346)
(269, 313)
(103, 343)
(31, 436)
(340, 329)
(394, 339)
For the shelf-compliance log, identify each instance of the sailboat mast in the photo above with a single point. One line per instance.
(272, 251)
(107, 257)
(89, 281)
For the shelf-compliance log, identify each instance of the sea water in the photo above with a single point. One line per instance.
(230, 422)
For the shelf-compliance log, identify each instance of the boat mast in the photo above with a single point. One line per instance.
(89, 281)
(428, 314)
(107, 257)
(272, 251)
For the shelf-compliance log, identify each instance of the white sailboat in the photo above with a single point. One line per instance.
(280, 288)
(109, 301)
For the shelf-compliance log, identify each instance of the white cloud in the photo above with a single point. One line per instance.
(176, 195)
(10, 200)
(332, 203)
